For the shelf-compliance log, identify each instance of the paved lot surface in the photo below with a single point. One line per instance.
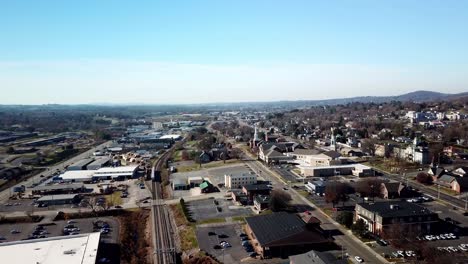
(206, 209)
(56, 229)
(234, 254)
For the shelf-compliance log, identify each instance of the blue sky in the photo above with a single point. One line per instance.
(221, 51)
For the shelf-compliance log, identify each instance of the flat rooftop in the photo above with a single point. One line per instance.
(121, 169)
(76, 249)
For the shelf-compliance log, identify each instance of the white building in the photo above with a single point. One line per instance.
(116, 172)
(78, 176)
(75, 249)
(237, 181)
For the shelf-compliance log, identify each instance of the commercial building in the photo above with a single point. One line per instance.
(317, 187)
(80, 165)
(195, 181)
(116, 173)
(325, 171)
(282, 234)
(59, 189)
(172, 137)
(59, 199)
(76, 249)
(381, 215)
(239, 180)
(77, 176)
(179, 184)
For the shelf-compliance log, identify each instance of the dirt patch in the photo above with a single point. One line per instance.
(135, 246)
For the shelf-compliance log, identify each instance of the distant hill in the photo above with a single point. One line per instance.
(417, 96)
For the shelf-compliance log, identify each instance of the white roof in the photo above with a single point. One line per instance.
(356, 166)
(56, 197)
(77, 175)
(76, 249)
(170, 136)
(195, 178)
(118, 170)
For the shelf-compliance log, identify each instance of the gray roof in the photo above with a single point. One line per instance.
(82, 163)
(402, 209)
(59, 187)
(276, 226)
(315, 257)
(306, 152)
(332, 154)
(100, 161)
(446, 178)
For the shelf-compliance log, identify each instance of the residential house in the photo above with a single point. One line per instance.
(460, 184)
(204, 157)
(436, 172)
(392, 190)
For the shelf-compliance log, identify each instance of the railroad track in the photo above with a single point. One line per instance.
(164, 247)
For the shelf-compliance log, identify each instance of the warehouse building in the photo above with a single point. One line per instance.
(98, 163)
(77, 176)
(80, 165)
(59, 189)
(76, 249)
(116, 173)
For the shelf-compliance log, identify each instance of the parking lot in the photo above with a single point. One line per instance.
(233, 254)
(22, 231)
(207, 209)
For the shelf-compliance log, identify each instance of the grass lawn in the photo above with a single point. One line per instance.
(192, 167)
(328, 211)
(211, 221)
(220, 163)
(239, 219)
(188, 238)
(191, 143)
(177, 156)
(114, 198)
(213, 164)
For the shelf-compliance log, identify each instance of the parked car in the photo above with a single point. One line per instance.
(211, 233)
(15, 231)
(358, 259)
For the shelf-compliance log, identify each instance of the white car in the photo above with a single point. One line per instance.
(358, 259)
(401, 253)
(442, 236)
(429, 237)
(462, 248)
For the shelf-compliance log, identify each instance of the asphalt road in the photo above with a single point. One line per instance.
(352, 245)
(4, 195)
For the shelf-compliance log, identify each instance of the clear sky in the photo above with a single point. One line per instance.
(222, 51)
